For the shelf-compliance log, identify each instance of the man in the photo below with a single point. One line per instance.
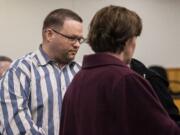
(32, 91)
(106, 97)
(4, 64)
(160, 85)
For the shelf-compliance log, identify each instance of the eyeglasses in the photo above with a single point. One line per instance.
(73, 39)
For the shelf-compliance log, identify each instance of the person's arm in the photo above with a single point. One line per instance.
(144, 112)
(14, 111)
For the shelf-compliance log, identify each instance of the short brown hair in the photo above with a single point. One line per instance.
(57, 17)
(5, 58)
(111, 27)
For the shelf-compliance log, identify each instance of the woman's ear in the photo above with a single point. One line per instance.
(131, 43)
(129, 49)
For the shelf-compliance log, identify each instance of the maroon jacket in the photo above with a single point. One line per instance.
(107, 98)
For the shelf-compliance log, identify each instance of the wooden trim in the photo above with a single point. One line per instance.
(174, 79)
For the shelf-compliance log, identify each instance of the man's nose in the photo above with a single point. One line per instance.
(77, 44)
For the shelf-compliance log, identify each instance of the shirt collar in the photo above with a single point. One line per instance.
(44, 58)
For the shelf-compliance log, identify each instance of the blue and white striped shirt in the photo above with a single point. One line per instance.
(31, 95)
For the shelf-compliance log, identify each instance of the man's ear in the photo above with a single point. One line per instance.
(49, 35)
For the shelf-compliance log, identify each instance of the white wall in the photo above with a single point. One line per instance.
(21, 23)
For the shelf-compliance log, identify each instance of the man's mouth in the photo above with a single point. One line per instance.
(73, 51)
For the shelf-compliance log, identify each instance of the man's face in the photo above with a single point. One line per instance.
(64, 42)
(4, 65)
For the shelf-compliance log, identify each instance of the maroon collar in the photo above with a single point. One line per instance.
(101, 59)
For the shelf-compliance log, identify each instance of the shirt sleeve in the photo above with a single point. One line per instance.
(15, 114)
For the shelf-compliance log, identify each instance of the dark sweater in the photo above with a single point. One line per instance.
(108, 98)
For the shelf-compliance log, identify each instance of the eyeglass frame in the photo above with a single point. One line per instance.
(73, 39)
